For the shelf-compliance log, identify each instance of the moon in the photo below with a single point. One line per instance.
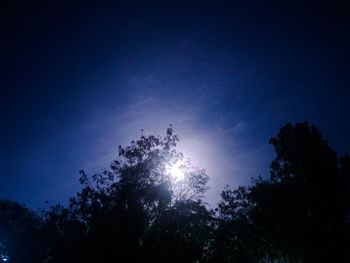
(175, 172)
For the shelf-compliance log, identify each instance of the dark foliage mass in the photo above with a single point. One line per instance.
(135, 211)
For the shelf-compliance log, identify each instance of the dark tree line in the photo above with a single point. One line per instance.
(136, 212)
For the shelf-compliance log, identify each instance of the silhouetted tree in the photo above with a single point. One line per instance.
(180, 234)
(20, 237)
(345, 176)
(308, 193)
(235, 237)
(298, 214)
(114, 216)
(138, 211)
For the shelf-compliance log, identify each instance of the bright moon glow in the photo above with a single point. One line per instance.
(176, 172)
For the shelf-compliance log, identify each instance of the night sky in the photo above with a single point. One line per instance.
(77, 80)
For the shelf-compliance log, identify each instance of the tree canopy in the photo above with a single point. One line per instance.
(136, 210)
(136, 204)
(298, 214)
(19, 233)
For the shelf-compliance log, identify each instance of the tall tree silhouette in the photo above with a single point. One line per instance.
(298, 214)
(115, 213)
(308, 193)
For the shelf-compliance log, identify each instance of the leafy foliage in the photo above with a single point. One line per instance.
(137, 211)
(296, 215)
(118, 211)
(19, 231)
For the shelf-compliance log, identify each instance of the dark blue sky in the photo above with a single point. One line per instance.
(77, 80)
